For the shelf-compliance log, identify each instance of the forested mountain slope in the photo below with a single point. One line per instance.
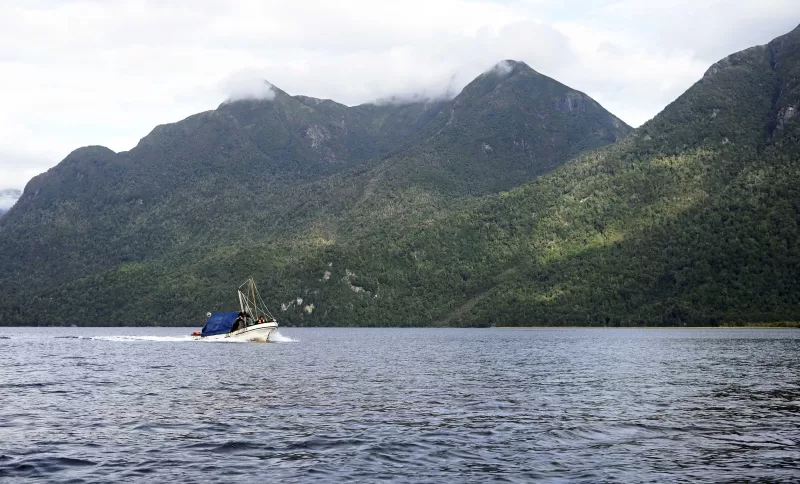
(283, 172)
(692, 219)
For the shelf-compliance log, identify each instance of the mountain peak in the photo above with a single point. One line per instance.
(508, 67)
(90, 151)
(508, 79)
(253, 90)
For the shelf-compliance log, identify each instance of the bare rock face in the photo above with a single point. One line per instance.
(571, 102)
(786, 114)
(318, 136)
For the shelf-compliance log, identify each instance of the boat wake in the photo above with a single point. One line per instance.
(276, 337)
(162, 339)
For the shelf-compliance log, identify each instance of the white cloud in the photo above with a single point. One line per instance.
(247, 84)
(709, 29)
(7, 199)
(80, 72)
(503, 68)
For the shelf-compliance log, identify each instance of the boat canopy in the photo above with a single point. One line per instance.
(219, 323)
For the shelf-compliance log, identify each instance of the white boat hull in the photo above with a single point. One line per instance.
(259, 333)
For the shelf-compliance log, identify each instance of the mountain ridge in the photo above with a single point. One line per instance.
(690, 219)
(253, 170)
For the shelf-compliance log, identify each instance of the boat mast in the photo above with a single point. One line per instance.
(241, 300)
(255, 304)
(245, 300)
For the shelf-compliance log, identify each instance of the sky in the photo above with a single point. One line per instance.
(106, 72)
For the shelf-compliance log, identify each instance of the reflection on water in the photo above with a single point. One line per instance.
(440, 405)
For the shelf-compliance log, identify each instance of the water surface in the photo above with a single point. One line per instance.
(409, 405)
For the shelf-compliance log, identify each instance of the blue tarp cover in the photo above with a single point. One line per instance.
(219, 323)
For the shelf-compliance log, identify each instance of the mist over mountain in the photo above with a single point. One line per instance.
(519, 201)
(8, 198)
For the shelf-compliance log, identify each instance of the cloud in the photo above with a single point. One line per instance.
(503, 68)
(8, 198)
(22, 155)
(247, 84)
(709, 29)
(86, 72)
(17, 168)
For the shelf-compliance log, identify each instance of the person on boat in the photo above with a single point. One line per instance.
(238, 323)
(248, 319)
(261, 320)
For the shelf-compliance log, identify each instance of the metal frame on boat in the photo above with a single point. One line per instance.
(253, 322)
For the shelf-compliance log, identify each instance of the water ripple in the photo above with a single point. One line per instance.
(150, 405)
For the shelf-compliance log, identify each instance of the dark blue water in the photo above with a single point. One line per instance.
(410, 405)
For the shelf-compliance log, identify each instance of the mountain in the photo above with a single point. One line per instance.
(692, 219)
(509, 124)
(271, 180)
(8, 198)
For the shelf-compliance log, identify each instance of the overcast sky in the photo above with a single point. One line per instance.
(77, 73)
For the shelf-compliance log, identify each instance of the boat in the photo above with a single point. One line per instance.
(253, 321)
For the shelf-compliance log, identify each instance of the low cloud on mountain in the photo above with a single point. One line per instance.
(247, 85)
(7, 199)
(133, 65)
